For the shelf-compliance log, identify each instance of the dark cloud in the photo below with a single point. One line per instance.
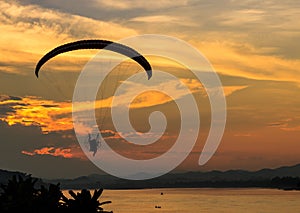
(6, 104)
(14, 139)
(17, 85)
(275, 124)
(15, 98)
(92, 9)
(108, 133)
(5, 109)
(49, 105)
(268, 25)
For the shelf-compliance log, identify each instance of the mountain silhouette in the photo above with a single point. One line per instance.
(230, 178)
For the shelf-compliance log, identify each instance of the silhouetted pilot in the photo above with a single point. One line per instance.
(94, 143)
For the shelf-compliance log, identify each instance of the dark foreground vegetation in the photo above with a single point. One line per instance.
(20, 194)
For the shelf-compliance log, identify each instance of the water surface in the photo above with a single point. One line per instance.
(201, 200)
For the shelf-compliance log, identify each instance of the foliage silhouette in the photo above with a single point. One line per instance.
(48, 200)
(20, 195)
(84, 201)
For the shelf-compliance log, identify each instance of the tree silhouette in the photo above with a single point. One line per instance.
(84, 201)
(20, 195)
(48, 200)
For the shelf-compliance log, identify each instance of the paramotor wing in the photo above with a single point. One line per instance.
(96, 44)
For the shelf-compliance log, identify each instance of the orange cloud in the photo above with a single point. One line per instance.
(53, 116)
(65, 153)
(228, 90)
(47, 114)
(34, 30)
(195, 86)
(150, 98)
(295, 129)
(246, 60)
(70, 152)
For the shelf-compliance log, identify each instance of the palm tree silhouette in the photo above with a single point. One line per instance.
(21, 195)
(85, 202)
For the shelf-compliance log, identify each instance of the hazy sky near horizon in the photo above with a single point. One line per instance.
(253, 45)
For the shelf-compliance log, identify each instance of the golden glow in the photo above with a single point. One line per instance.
(254, 47)
(32, 39)
(247, 61)
(150, 98)
(49, 115)
(228, 90)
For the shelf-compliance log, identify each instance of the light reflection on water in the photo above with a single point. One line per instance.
(201, 200)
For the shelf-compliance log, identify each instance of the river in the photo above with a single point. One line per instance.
(197, 200)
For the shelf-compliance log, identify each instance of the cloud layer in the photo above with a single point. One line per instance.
(253, 45)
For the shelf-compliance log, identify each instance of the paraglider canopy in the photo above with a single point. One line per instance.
(96, 44)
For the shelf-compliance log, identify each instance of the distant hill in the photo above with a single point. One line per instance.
(230, 178)
(282, 177)
(6, 175)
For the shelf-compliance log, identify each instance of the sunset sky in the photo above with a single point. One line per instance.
(253, 45)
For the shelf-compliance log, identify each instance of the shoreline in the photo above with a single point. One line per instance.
(187, 188)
